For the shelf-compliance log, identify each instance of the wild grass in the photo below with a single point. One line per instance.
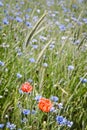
(41, 52)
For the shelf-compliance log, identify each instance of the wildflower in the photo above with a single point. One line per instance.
(74, 19)
(28, 24)
(5, 21)
(51, 46)
(27, 16)
(11, 126)
(26, 111)
(83, 80)
(62, 27)
(1, 4)
(35, 46)
(52, 109)
(69, 123)
(38, 97)
(30, 80)
(54, 98)
(2, 63)
(26, 87)
(45, 64)
(76, 42)
(60, 105)
(20, 91)
(28, 10)
(74, 6)
(19, 75)
(45, 105)
(34, 41)
(18, 19)
(70, 67)
(32, 60)
(85, 20)
(42, 38)
(33, 112)
(35, 18)
(61, 120)
(1, 126)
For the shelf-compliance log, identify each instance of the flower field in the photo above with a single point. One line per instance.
(43, 65)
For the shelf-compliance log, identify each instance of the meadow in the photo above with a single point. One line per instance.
(43, 65)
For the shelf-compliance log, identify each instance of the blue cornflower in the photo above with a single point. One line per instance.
(74, 19)
(28, 10)
(27, 16)
(65, 9)
(32, 60)
(45, 64)
(1, 126)
(18, 19)
(61, 120)
(28, 24)
(52, 109)
(5, 21)
(30, 80)
(60, 105)
(70, 67)
(35, 18)
(54, 98)
(10, 17)
(85, 20)
(1, 4)
(83, 80)
(62, 27)
(35, 46)
(26, 111)
(37, 98)
(69, 123)
(19, 75)
(76, 42)
(51, 46)
(10, 126)
(21, 92)
(42, 38)
(34, 40)
(33, 112)
(2, 63)
(74, 6)
(50, 3)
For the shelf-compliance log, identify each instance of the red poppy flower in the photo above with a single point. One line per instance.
(26, 87)
(45, 104)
